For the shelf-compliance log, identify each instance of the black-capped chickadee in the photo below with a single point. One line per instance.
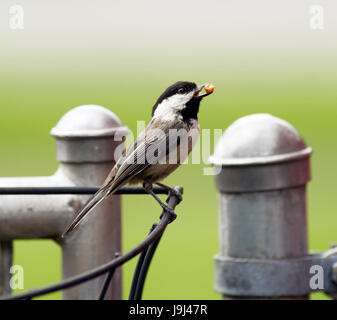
(162, 146)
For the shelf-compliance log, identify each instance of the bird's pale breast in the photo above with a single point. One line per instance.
(175, 157)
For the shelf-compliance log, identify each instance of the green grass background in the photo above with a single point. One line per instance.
(295, 81)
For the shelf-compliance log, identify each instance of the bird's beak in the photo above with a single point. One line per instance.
(209, 88)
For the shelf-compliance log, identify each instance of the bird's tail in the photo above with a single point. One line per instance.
(90, 204)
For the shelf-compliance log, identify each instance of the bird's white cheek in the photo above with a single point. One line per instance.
(164, 114)
(167, 110)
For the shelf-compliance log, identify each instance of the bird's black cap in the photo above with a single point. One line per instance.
(182, 87)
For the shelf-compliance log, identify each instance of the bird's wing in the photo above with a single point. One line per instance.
(149, 148)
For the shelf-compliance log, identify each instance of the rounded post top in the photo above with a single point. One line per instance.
(89, 121)
(259, 139)
(89, 134)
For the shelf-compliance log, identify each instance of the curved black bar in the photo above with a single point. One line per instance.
(139, 265)
(86, 276)
(73, 190)
(145, 268)
(106, 284)
(107, 280)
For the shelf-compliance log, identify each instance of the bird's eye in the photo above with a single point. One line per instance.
(181, 90)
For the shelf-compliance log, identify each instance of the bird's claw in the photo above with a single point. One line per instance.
(175, 192)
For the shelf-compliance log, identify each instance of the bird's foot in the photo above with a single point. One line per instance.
(177, 192)
(172, 191)
(148, 188)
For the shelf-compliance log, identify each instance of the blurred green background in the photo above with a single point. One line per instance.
(262, 57)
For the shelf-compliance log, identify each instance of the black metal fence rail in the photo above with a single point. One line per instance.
(72, 190)
(146, 248)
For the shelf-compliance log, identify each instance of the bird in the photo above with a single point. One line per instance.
(159, 149)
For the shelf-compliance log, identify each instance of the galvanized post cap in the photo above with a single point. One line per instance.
(89, 121)
(259, 139)
(261, 152)
(88, 133)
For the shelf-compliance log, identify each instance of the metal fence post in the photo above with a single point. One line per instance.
(6, 259)
(87, 138)
(262, 210)
(85, 148)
